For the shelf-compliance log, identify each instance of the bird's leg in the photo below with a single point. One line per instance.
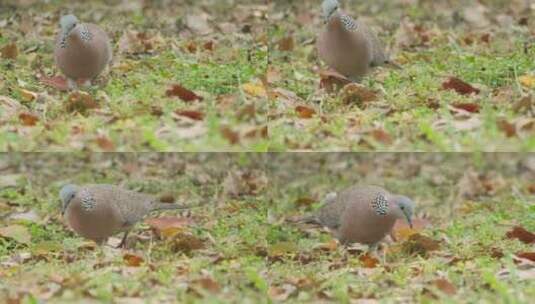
(71, 84)
(86, 83)
(123, 241)
(374, 248)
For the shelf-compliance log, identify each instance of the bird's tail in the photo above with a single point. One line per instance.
(157, 206)
(307, 219)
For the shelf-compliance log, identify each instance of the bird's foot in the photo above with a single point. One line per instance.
(122, 244)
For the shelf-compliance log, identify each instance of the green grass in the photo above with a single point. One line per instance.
(250, 253)
(134, 112)
(402, 108)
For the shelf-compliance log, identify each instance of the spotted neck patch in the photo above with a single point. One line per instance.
(87, 200)
(348, 23)
(380, 205)
(85, 34)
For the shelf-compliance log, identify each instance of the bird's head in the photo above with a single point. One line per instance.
(404, 208)
(68, 23)
(330, 7)
(66, 194)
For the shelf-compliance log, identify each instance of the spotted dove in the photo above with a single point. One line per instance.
(348, 46)
(362, 214)
(97, 212)
(82, 50)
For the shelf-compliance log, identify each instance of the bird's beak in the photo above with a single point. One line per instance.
(409, 220)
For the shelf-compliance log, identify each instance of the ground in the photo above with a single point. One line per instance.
(216, 49)
(486, 44)
(239, 246)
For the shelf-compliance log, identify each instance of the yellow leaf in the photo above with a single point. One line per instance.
(528, 81)
(254, 89)
(28, 95)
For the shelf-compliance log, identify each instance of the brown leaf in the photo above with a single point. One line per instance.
(445, 286)
(261, 132)
(80, 102)
(168, 198)
(304, 201)
(355, 93)
(469, 107)
(208, 283)
(186, 243)
(368, 261)
(420, 244)
(28, 119)
(304, 112)
(57, 82)
(508, 128)
(184, 94)
(10, 51)
(105, 143)
(459, 86)
(209, 45)
(132, 260)
(195, 115)
(382, 136)
(241, 183)
(332, 81)
(521, 234)
(232, 136)
(133, 42)
(286, 44)
(167, 226)
(402, 231)
(526, 255)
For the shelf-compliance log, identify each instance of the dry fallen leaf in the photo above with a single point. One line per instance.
(195, 115)
(521, 234)
(333, 81)
(186, 243)
(10, 51)
(468, 107)
(402, 231)
(526, 255)
(368, 261)
(286, 44)
(208, 283)
(459, 86)
(28, 95)
(527, 81)
(80, 102)
(176, 90)
(28, 119)
(18, 233)
(445, 286)
(382, 136)
(132, 260)
(167, 226)
(508, 128)
(232, 136)
(420, 244)
(105, 143)
(305, 112)
(254, 89)
(355, 93)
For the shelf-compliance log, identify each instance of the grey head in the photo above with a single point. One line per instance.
(67, 193)
(68, 23)
(329, 7)
(405, 208)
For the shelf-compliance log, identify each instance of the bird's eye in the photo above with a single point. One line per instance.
(402, 207)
